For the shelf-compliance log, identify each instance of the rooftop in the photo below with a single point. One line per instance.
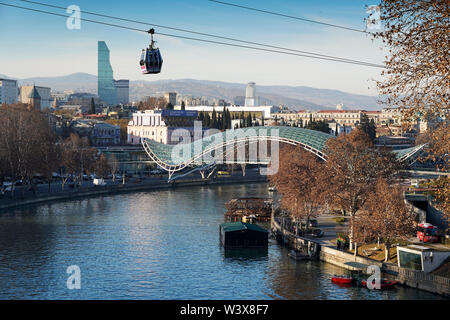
(237, 226)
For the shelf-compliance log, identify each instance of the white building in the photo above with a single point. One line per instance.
(265, 110)
(122, 90)
(44, 92)
(8, 91)
(159, 125)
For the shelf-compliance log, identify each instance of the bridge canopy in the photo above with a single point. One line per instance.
(311, 140)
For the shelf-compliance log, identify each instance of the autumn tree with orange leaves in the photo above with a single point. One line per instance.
(385, 217)
(301, 182)
(352, 168)
(417, 75)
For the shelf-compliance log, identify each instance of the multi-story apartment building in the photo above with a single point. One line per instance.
(8, 91)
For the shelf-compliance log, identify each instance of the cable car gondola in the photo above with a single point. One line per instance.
(151, 59)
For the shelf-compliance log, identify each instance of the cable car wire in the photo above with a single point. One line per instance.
(291, 17)
(198, 33)
(198, 39)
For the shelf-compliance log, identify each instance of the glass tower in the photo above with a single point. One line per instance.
(106, 88)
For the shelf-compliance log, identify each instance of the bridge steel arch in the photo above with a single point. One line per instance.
(310, 140)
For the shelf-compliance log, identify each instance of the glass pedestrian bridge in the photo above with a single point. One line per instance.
(174, 158)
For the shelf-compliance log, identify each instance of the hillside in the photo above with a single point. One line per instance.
(298, 97)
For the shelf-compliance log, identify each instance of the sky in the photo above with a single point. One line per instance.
(38, 45)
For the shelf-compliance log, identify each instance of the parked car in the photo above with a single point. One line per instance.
(221, 174)
(99, 182)
(312, 223)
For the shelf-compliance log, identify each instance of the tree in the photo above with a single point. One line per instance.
(386, 217)
(114, 165)
(353, 166)
(368, 127)
(101, 166)
(183, 105)
(169, 106)
(301, 182)
(152, 103)
(417, 75)
(24, 140)
(438, 150)
(92, 106)
(321, 125)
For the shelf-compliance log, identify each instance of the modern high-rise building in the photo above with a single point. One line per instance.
(250, 97)
(8, 91)
(106, 87)
(123, 91)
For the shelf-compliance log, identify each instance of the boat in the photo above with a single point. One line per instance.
(385, 283)
(342, 280)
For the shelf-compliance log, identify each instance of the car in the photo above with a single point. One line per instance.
(315, 233)
(99, 182)
(312, 223)
(221, 174)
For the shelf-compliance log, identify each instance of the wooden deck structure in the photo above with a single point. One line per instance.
(260, 208)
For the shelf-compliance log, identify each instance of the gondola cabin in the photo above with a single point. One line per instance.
(243, 235)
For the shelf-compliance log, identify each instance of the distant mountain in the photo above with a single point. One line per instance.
(296, 98)
(79, 82)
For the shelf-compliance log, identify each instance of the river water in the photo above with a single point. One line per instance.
(155, 245)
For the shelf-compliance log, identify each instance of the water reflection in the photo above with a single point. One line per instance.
(154, 245)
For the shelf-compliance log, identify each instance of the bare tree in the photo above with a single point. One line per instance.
(417, 79)
(114, 165)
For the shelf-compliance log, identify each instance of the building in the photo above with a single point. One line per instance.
(105, 134)
(99, 133)
(75, 108)
(159, 125)
(250, 95)
(44, 93)
(391, 116)
(265, 111)
(106, 86)
(123, 91)
(8, 91)
(34, 99)
(171, 97)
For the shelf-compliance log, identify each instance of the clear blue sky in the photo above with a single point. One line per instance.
(34, 44)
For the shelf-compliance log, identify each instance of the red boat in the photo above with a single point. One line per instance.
(341, 280)
(385, 283)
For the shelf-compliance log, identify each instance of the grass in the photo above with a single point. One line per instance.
(368, 250)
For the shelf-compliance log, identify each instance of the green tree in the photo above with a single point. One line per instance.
(368, 126)
(92, 106)
(183, 106)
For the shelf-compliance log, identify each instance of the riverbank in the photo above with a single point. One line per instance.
(128, 187)
(325, 252)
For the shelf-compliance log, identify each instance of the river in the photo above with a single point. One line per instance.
(155, 245)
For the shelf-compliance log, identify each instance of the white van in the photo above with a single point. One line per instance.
(99, 182)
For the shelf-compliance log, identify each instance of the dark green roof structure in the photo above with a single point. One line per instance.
(237, 226)
(173, 158)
